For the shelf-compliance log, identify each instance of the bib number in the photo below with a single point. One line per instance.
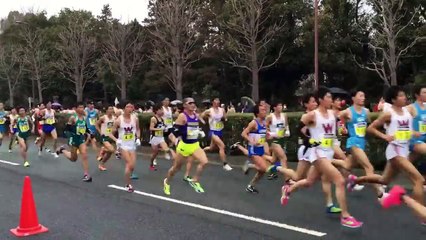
(81, 130)
(50, 121)
(360, 130)
(403, 135)
(422, 127)
(129, 136)
(92, 121)
(24, 128)
(158, 133)
(169, 121)
(192, 133)
(109, 130)
(327, 141)
(261, 140)
(219, 125)
(2, 121)
(281, 133)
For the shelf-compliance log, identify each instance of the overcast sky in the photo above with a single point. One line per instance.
(125, 10)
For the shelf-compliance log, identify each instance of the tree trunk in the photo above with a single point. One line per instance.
(105, 92)
(40, 92)
(255, 85)
(393, 65)
(79, 89)
(179, 87)
(123, 90)
(11, 96)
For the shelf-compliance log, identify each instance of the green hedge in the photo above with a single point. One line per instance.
(236, 123)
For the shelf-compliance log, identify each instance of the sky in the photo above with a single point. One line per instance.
(125, 10)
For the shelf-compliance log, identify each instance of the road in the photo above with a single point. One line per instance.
(72, 209)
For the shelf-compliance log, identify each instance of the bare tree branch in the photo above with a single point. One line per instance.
(11, 68)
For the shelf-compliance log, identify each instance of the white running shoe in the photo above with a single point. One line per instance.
(39, 153)
(55, 155)
(167, 156)
(358, 187)
(227, 167)
(155, 162)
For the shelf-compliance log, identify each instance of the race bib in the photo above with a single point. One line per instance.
(109, 130)
(422, 127)
(2, 121)
(327, 141)
(360, 129)
(24, 128)
(219, 125)
(129, 136)
(403, 135)
(81, 130)
(192, 133)
(169, 121)
(50, 121)
(92, 121)
(262, 139)
(281, 133)
(158, 133)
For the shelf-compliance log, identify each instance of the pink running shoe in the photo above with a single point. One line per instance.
(351, 182)
(285, 195)
(350, 222)
(394, 197)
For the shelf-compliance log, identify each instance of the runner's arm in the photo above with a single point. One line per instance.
(245, 134)
(115, 127)
(378, 123)
(152, 125)
(99, 124)
(138, 129)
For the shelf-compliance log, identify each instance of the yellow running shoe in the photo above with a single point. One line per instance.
(26, 164)
(166, 187)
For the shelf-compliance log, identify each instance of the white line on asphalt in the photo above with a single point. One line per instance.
(228, 213)
(10, 163)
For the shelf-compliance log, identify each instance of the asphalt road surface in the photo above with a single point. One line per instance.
(72, 209)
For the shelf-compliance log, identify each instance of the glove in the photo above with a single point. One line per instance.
(138, 142)
(118, 143)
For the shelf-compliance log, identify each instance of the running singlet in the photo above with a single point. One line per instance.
(357, 126)
(190, 130)
(400, 126)
(278, 125)
(49, 117)
(215, 119)
(420, 119)
(324, 130)
(2, 117)
(92, 117)
(259, 136)
(12, 118)
(23, 126)
(127, 133)
(80, 126)
(160, 125)
(168, 117)
(107, 125)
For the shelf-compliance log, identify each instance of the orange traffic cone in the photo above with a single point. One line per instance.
(28, 224)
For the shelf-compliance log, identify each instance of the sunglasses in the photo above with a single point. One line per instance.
(190, 103)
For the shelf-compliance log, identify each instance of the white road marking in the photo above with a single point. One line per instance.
(228, 213)
(10, 163)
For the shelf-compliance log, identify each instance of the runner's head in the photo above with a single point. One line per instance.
(277, 106)
(310, 102)
(337, 102)
(324, 97)
(90, 105)
(396, 96)
(166, 102)
(129, 108)
(13, 111)
(110, 110)
(420, 93)
(41, 106)
(259, 111)
(48, 105)
(216, 102)
(79, 108)
(158, 110)
(22, 112)
(189, 104)
(358, 97)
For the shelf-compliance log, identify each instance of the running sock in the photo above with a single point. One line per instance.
(330, 205)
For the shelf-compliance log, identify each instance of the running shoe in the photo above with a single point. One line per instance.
(197, 187)
(351, 182)
(246, 167)
(134, 176)
(350, 222)
(358, 187)
(117, 154)
(155, 162)
(60, 150)
(152, 168)
(167, 156)
(129, 188)
(394, 198)
(272, 176)
(166, 187)
(102, 168)
(285, 196)
(26, 164)
(251, 189)
(187, 179)
(272, 169)
(87, 178)
(226, 167)
(10, 150)
(234, 146)
(333, 209)
(39, 153)
(47, 150)
(37, 140)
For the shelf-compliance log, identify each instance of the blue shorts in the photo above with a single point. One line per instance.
(217, 133)
(256, 151)
(355, 142)
(15, 130)
(2, 129)
(414, 141)
(48, 128)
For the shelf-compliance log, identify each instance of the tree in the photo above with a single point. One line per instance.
(175, 38)
(77, 47)
(249, 38)
(123, 52)
(11, 69)
(385, 51)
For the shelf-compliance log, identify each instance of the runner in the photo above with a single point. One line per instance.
(304, 151)
(187, 128)
(256, 135)
(25, 126)
(128, 140)
(322, 127)
(13, 128)
(105, 126)
(38, 120)
(277, 125)
(3, 128)
(92, 115)
(77, 130)
(157, 128)
(398, 135)
(48, 128)
(168, 121)
(217, 117)
(356, 119)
